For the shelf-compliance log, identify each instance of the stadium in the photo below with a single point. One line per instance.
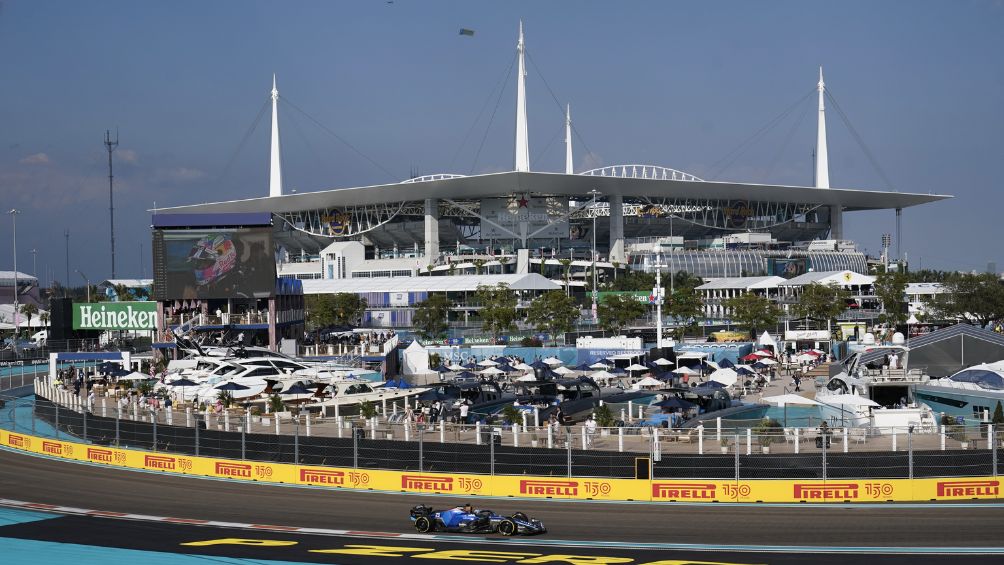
(565, 226)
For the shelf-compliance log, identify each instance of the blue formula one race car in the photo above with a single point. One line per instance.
(465, 519)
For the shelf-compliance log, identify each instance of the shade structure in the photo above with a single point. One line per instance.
(763, 353)
(134, 376)
(751, 357)
(635, 367)
(441, 369)
(523, 367)
(505, 368)
(602, 376)
(663, 362)
(711, 364)
(727, 377)
(684, 371)
(232, 385)
(297, 388)
(709, 385)
(759, 365)
(539, 365)
(648, 382)
(526, 378)
(466, 375)
(674, 402)
(600, 366)
(744, 370)
(487, 363)
(582, 367)
(492, 371)
(183, 383)
(767, 361)
(726, 364)
(470, 366)
(552, 361)
(456, 367)
(562, 370)
(793, 399)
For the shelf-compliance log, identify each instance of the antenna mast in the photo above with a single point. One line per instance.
(111, 145)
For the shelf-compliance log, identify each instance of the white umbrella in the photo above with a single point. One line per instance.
(134, 376)
(786, 399)
(598, 365)
(762, 353)
(552, 361)
(562, 370)
(805, 358)
(648, 382)
(684, 371)
(727, 377)
(602, 376)
(526, 378)
(487, 363)
(711, 364)
(766, 361)
(456, 367)
(491, 371)
(636, 367)
(663, 362)
(523, 367)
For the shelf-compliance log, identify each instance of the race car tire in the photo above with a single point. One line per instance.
(507, 527)
(521, 516)
(423, 524)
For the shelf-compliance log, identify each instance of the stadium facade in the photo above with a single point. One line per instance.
(527, 221)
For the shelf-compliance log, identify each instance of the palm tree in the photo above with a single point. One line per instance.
(122, 292)
(478, 263)
(567, 266)
(29, 310)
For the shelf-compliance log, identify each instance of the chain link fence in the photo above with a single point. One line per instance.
(394, 443)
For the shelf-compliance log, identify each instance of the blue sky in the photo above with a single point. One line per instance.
(679, 84)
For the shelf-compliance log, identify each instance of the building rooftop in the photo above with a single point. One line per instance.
(745, 283)
(7, 278)
(468, 283)
(842, 278)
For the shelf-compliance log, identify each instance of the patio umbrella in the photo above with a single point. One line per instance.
(562, 370)
(767, 361)
(583, 367)
(492, 371)
(456, 367)
(183, 383)
(684, 371)
(750, 357)
(296, 389)
(726, 364)
(712, 364)
(470, 366)
(487, 363)
(759, 365)
(711, 384)
(539, 365)
(440, 369)
(744, 370)
(786, 399)
(727, 377)
(506, 368)
(232, 386)
(763, 353)
(466, 375)
(523, 367)
(134, 376)
(602, 376)
(663, 362)
(599, 365)
(553, 361)
(636, 367)
(648, 382)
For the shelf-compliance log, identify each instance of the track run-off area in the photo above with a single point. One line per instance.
(179, 515)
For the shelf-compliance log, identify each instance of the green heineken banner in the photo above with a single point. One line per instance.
(115, 316)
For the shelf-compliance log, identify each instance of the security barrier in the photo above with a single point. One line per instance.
(657, 490)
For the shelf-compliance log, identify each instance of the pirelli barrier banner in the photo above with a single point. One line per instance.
(656, 490)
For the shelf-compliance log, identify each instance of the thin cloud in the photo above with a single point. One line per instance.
(178, 174)
(127, 155)
(36, 159)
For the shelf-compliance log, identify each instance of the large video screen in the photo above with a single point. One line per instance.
(788, 268)
(215, 263)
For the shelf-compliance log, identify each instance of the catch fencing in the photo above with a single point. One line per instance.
(392, 442)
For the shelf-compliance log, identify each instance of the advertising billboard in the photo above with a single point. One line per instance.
(115, 316)
(214, 263)
(787, 268)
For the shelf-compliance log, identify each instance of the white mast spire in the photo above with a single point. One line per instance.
(275, 164)
(522, 142)
(822, 161)
(568, 140)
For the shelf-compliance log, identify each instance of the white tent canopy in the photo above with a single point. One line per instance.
(491, 371)
(526, 378)
(684, 371)
(663, 362)
(727, 377)
(562, 370)
(552, 361)
(648, 382)
(602, 376)
(636, 367)
(767, 340)
(487, 363)
(793, 399)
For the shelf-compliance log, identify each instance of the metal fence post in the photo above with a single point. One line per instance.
(355, 451)
(421, 450)
(993, 447)
(568, 444)
(824, 436)
(153, 418)
(244, 431)
(491, 451)
(84, 415)
(34, 401)
(196, 433)
(909, 449)
(57, 419)
(296, 440)
(737, 456)
(118, 418)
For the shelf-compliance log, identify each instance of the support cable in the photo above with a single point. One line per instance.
(561, 108)
(331, 132)
(503, 80)
(244, 140)
(491, 120)
(785, 142)
(861, 143)
(730, 158)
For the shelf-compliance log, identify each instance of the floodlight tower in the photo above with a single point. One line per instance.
(111, 145)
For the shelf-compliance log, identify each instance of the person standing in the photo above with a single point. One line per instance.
(590, 431)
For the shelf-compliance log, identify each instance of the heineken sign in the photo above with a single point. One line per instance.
(115, 316)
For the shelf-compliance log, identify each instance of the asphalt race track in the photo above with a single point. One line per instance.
(610, 528)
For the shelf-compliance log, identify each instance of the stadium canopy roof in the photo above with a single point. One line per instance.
(841, 278)
(470, 283)
(500, 184)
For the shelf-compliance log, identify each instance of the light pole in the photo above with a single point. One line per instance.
(595, 292)
(87, 284)
(658, 294)
(13, 217)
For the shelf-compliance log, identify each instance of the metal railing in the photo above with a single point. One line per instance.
(396, 441)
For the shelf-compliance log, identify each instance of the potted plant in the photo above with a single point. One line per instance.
(511, 415)
(225, 398)
(604, 419)
(767, 432)
(367, 410)
(725, 445)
